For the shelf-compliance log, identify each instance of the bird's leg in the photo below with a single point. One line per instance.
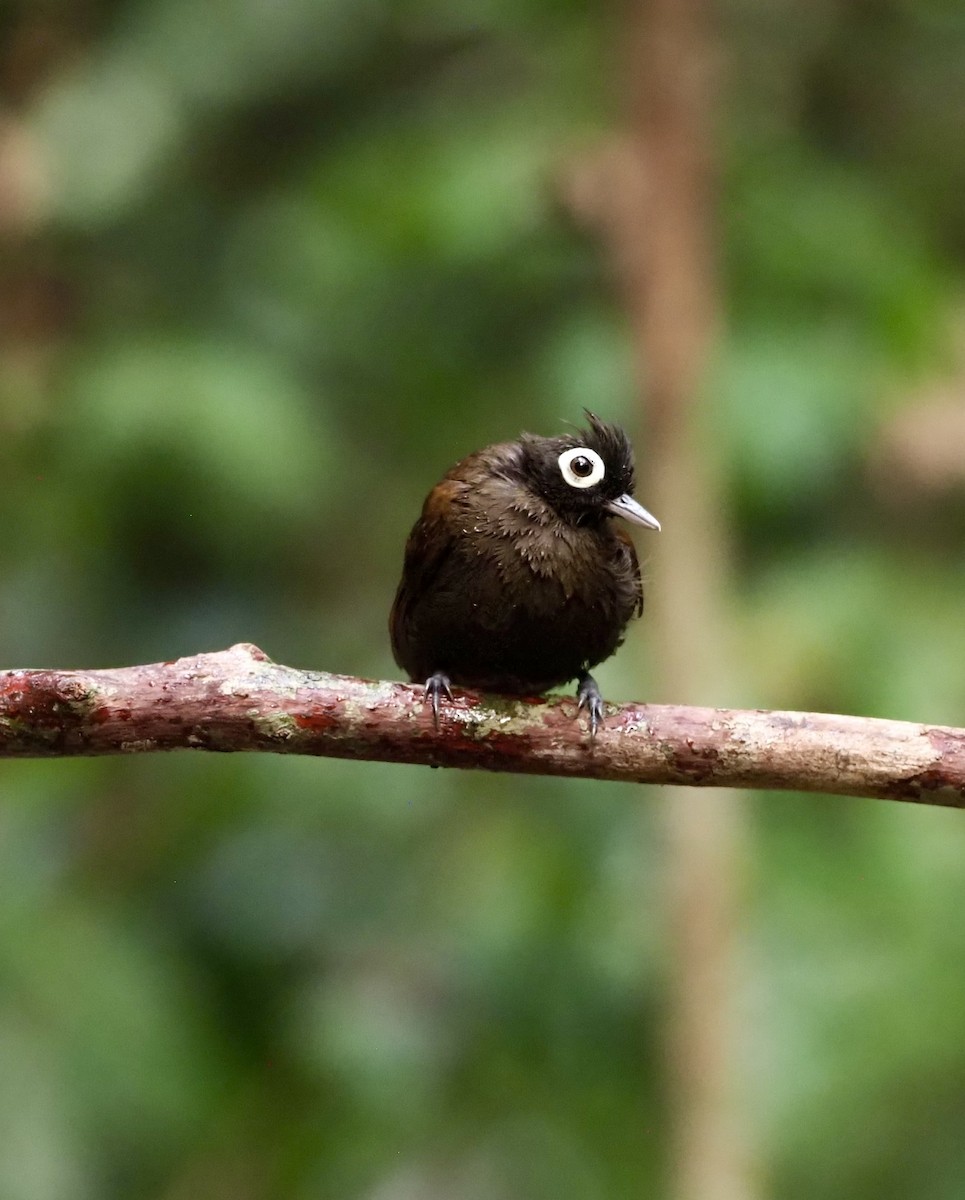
(436, 685)
(588, 697)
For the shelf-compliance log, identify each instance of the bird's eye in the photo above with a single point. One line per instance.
(582, 467)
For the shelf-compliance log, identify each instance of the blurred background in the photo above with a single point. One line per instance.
(267, 268)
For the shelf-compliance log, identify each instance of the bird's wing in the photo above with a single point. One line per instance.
(428, 546)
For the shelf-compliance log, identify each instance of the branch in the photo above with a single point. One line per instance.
(238, 699)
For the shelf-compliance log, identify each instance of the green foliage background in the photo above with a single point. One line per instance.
(269, 268)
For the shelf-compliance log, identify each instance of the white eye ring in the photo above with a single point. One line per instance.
(573, 464)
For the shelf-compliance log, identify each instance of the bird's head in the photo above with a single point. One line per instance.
(586, 476)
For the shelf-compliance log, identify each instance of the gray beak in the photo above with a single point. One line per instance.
(627, 507)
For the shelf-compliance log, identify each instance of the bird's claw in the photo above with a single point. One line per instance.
(588, 697)
(437, 684)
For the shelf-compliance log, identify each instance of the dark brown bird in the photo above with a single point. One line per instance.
(515, 578)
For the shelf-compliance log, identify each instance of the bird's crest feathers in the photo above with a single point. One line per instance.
(541, 468)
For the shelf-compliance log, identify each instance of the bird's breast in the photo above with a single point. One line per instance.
(543, 567)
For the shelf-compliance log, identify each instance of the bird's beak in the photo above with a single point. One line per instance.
(627, 507)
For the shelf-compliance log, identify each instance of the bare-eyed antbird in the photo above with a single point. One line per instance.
(516, 576)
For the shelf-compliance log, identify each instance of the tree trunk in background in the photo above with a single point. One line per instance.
(665, 248)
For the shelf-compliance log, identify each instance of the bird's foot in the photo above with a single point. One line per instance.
(437, 685)
(588, 697)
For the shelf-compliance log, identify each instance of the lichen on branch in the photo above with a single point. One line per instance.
(238, 699)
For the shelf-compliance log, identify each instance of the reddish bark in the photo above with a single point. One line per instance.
(238, 699)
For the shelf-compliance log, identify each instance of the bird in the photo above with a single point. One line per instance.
(516, 578)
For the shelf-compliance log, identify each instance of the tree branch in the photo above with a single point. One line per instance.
(238, 699)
